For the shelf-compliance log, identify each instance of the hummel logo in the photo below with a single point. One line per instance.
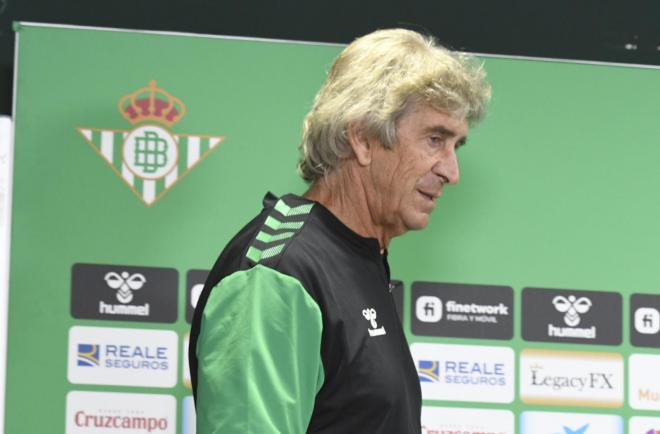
(370, 315)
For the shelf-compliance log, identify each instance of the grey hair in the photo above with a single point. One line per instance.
(376, 80)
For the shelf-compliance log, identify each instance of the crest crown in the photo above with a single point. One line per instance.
(152, 103)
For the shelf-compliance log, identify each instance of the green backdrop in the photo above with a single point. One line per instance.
(559, 186)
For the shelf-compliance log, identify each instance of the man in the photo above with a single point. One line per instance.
(296, 330)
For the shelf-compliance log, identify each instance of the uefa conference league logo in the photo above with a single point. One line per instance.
(150, 158)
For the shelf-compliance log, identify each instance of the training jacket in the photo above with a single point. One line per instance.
(296, 332)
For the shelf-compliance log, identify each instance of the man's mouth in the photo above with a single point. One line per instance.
(430, 196)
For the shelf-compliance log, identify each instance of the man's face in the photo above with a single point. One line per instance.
(408, 179)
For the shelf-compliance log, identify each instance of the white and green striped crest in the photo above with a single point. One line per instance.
(148, 177)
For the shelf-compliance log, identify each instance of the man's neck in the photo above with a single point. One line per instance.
(345, 196)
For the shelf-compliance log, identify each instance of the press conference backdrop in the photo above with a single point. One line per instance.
(531, 301)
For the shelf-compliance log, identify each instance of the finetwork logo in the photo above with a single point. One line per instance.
(460, 310)
(101, 412)
(551, 315)
(429, 308)
(119, 292)
(466, 373)
(438, 420)
(536, 422)
(645, 320)
(129, 357)
(568, 378)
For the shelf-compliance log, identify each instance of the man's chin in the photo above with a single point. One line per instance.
(418, 222)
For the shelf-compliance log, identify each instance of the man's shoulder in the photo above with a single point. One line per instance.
(274, 238)
(285, 233)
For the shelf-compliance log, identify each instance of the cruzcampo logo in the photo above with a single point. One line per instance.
(150, 158)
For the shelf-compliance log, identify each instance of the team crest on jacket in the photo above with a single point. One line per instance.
(150, 158)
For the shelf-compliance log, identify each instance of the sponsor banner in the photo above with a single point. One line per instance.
(541, 422)
(120, 413)
(571, 378)
(644, 381)
(460, 310)
(572, 316)
(465, 372)
(186, 363)
(123, 292)
(645, 320)
(644, 425)
(438, 420)
(195, 280)
(396, 288)
(122, 357)
(189, 418)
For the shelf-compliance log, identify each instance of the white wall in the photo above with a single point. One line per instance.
(6, 145)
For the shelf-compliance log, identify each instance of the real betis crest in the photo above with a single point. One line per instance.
(150, 158)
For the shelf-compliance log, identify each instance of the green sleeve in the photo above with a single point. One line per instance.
(259, 360)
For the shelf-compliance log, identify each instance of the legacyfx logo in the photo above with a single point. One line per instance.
(571, 378)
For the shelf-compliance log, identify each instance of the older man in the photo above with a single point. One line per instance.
(296, 330)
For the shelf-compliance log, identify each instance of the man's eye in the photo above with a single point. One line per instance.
(436, 140)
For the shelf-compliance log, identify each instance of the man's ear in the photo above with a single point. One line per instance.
(359, 141)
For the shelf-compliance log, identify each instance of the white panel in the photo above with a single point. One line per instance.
(6, 165)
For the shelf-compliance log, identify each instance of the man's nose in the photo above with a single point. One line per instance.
(447, 167)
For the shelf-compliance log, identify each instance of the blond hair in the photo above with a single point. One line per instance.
(375, 81)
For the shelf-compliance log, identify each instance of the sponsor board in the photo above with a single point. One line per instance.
(571, 378)
(188, 418)
(123, 292)
(645, 320)
(541, 422)
(644, 381)
(465, 372)
(460, 310)
(122, 357)
(439, 420)
(194, 284)
(120, 413)
(644, 425)
(186, 363)
(571, 316)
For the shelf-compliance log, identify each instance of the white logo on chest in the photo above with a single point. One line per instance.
(370, 315)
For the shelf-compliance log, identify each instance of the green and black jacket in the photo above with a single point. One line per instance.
(296, 332)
